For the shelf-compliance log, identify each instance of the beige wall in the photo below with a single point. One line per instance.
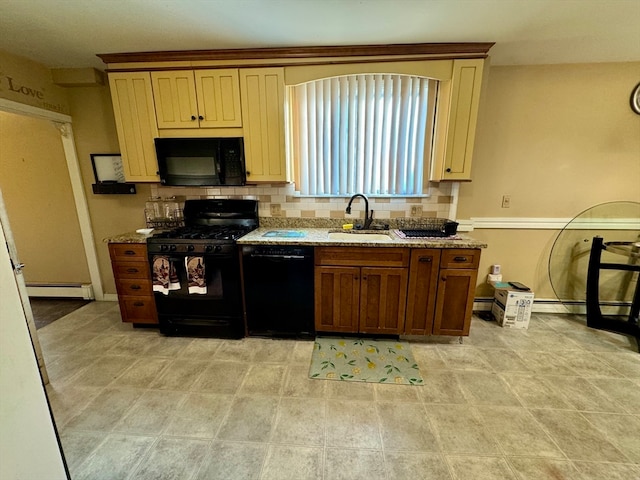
(37, 191)
(95, 132)
(558, 139)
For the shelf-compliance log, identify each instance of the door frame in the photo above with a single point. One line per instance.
(63, 123)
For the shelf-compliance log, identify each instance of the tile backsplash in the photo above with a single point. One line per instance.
(281, 201)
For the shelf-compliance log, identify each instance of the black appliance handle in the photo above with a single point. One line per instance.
(279, 257)
(220, 166)
(206, 256)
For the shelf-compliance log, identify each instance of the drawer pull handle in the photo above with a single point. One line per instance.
(459, 259)
(135, 287)
(129, 252)
(132, 270)
(425, 259)
(138, 304)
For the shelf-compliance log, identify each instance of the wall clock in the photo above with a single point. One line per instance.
(635, 99)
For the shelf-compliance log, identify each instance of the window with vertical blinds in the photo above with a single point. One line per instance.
(362, 134)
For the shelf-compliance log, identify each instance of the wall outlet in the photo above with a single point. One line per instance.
(276, 210)
(416, 210)
(506, 201)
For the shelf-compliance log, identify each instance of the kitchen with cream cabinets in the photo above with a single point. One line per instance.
(440, 420)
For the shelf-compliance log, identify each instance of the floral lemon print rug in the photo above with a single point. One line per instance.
(364, 360)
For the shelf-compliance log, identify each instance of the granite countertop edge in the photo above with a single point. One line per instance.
(128, 237)
(319, 237)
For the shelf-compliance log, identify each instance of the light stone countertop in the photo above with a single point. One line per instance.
(320, 237)
(128, 237)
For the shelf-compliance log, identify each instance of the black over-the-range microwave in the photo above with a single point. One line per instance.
(201, 161)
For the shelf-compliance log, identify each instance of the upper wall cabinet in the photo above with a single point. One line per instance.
(262, 91)
(197, 98)
(457, 115)
(136, 124)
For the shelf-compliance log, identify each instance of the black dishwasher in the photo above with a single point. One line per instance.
(278, 287)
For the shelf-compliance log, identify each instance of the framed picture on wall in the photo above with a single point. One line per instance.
(107, 167)
(109, 174)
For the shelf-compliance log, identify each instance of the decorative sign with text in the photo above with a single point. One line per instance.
(13, 86)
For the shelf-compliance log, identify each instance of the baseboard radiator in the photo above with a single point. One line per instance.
(62, 290)
(483, 304)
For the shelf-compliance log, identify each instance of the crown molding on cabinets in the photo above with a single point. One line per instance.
(294, 55)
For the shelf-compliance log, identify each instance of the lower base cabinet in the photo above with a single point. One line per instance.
(360, 290)
(395, 291)
(133, 282)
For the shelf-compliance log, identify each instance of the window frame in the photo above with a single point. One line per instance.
(456, 108)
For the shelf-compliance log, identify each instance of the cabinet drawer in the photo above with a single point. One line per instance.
(140, 309)
(128, 252)
(460, 258)
(134, 287)
(131, 270)
(362, 256)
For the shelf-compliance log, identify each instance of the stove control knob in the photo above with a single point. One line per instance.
(191, 248)
(164, 248)
(208, 248)
(172, 248)
(218, 248)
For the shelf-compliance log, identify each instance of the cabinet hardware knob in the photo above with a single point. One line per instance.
(248, 173)
(200, 117)
(135, 287)
(364, 278)
(444, 279)
(448, 170)
(459, 259)
(193, 117)
(138, 304)
(129, 252)
(132, 270)
(425, 259)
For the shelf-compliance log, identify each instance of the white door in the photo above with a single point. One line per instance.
(28, 442)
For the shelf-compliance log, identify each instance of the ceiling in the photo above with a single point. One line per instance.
(69, 33)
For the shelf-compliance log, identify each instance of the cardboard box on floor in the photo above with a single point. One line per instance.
(512, 308)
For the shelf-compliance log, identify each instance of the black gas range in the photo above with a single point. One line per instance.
(196, 269)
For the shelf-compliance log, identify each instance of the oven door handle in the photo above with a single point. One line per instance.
(206, 257)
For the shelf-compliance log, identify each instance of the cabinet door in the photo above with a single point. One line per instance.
(174, 93)
(135, 118)
(218, 96)
(262, 94)
(383, 295)
(461, 131)
(337, 299)
(454, 305)
(421, 296)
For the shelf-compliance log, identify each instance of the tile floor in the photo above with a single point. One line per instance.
(559, 401)
(46, 310)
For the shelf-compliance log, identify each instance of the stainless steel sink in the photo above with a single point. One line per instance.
(360, 236)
